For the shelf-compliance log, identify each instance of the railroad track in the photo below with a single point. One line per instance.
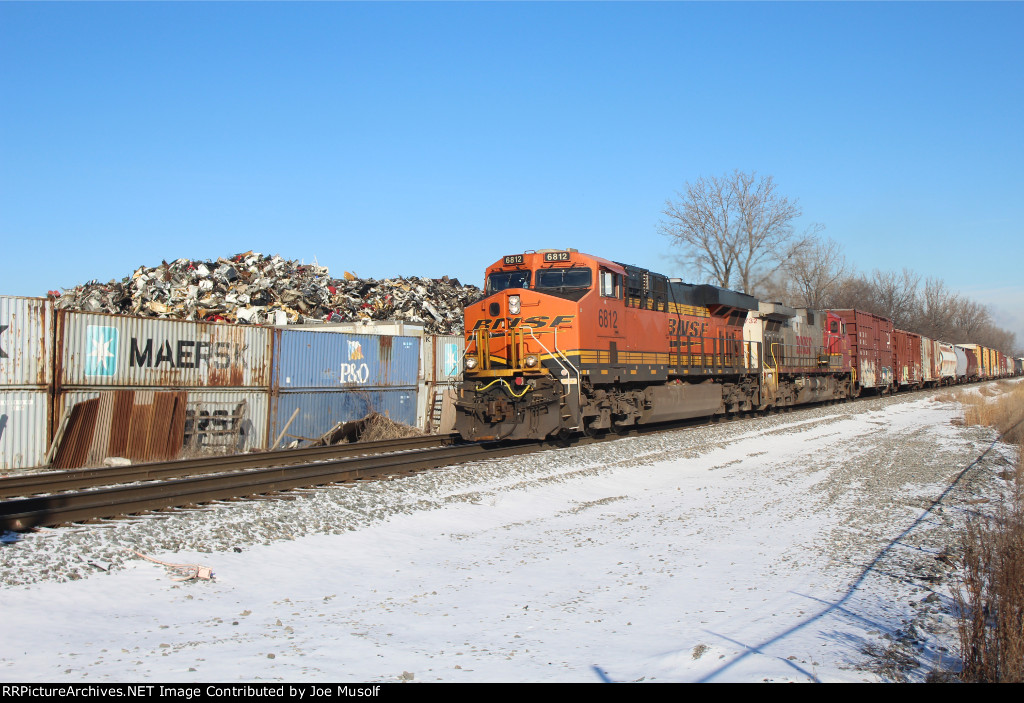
(78, 479)
(77, 506)
(192, 482)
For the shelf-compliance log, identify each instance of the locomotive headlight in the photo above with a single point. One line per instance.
(470, 363)
(530, 361)
(513, 305)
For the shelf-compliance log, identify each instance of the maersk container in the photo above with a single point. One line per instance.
(26, 342)
(443, 357)
(98, 349)
(24, 428)
(318, 411)
(324, 360)
(127, 420)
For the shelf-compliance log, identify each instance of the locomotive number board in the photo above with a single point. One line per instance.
(556, 256)
(514, 259)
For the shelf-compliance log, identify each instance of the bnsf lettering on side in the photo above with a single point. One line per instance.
(536, 321)
(184, 354)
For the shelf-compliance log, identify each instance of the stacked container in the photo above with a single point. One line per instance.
(26, 377)
(138, 381)
(323, 378)
(443, 357)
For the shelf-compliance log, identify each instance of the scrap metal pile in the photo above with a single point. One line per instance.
(268, 290)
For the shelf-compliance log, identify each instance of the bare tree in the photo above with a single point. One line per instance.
(895, 295)
(934, 310)
(738, 226)
(969, 318)
(815, 271)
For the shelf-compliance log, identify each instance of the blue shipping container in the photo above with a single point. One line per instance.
(319, 411)
(335, 360)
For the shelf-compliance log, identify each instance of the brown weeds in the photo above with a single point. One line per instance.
(990, 595)
(379, 427)
(1000, 406)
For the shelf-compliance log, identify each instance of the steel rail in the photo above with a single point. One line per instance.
(78, 479)
(41, 511)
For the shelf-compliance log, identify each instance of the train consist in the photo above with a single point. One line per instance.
(564, 342)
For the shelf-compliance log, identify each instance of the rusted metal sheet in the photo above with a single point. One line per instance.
(158, 425)
(319, 410)
(118, 351)
(24, 428)
(26, 342)
(319, 360)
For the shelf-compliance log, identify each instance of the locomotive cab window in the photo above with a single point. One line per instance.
(503, 280)
(611, 284)
(562, 279)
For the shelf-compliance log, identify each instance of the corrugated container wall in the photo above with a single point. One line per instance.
(134, 424)
(24, 422)
(26, 342)
(323, 360)
(321, 410)
(119, 351)
(442, 357)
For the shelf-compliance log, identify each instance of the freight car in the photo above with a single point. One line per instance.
(565, 342)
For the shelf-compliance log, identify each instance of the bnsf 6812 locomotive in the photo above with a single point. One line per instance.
(564, 342)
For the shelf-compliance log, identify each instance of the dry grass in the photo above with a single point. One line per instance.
(990, 595)
(999, 405)
(378, 427)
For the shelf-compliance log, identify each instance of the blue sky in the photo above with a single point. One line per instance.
(430, 139)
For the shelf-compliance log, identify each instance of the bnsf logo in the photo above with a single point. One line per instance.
(535, 321)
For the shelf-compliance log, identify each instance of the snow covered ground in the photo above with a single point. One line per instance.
(799, 547)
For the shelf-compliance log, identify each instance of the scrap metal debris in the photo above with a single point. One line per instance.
(251, 288)
(185, 572)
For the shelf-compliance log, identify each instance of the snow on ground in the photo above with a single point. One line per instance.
(799, 547)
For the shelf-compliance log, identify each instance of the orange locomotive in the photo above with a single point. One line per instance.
(564, 342)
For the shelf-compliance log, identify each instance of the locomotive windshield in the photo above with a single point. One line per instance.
(502, 280)
(564, 279)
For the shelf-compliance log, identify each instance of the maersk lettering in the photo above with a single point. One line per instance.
(184, 354)
(514, 322)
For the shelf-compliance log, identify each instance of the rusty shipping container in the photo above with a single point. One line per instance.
(24, 428)
(158, 424)
(330, 361)
(26, 342)
(870, 348)
(100, 350)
